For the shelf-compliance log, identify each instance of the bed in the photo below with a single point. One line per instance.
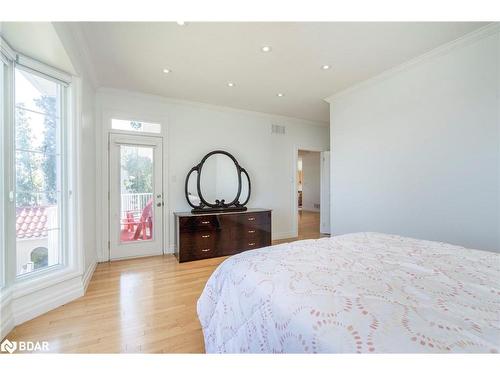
(355, 293)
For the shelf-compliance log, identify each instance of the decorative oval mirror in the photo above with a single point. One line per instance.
(245, 188)
(192, 190)
(217, 183)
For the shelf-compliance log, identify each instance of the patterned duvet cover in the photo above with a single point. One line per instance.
(355, 293)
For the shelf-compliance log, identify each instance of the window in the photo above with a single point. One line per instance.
(38, 219)
(38, 170)
(135, 126)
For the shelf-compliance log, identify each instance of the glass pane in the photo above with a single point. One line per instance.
(135, 126)
(36, 94)
(38, 250)
(37, 132)
(136, 188)
(38, 172)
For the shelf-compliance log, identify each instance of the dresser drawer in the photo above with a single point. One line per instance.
(199, 240)
(254, 243)
(198, 253)
(199, 223)
(198, 245)
(253, 239)
(257, 220)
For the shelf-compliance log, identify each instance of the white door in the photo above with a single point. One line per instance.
(325, 193)
(135, 196)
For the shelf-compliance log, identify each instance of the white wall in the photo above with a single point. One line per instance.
(88, 173)
(195, 129)
(311, 185)
(416, 151)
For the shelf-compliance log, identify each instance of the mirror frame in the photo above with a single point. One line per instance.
(219, 205)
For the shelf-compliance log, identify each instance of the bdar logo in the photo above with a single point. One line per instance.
(8, 346)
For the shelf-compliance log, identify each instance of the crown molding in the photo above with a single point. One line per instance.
(464, 40)
(169, 100)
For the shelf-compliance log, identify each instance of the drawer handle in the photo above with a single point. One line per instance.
(205, 236)
(251, 219)
(251, 244)
(205, 222)
(251, 231)
(205, 250)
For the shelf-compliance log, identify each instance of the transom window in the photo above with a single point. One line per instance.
(135, 126)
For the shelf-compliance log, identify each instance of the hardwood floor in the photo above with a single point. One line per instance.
(308, 225)
(141, 305)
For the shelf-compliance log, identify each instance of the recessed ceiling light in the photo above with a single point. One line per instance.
(280, 94)
(325, 67)
(266, 49)
(166, 71)
(181, 23)
(230, 84)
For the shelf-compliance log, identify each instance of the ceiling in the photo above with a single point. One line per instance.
(204, 57)
(38, 40)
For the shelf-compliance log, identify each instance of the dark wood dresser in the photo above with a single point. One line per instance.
(202, 236)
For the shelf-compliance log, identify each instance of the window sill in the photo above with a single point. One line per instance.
(32, 283)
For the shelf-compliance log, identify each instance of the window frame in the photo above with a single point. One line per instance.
(3, 121)
(71, 260)
(7, 56)
(62, 206)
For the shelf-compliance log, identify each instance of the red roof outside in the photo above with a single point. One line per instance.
(31, 222)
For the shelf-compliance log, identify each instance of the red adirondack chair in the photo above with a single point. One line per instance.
(140, 227)
(145, 222)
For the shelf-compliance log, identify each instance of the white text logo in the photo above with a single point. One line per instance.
(24, 346)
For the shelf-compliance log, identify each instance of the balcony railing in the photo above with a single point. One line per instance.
(134, 203)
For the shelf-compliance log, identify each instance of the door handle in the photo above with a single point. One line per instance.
(159, 204)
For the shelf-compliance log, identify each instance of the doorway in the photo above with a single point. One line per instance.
(135, 196)
(312, 207)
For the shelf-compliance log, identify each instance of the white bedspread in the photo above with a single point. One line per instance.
(363, 292)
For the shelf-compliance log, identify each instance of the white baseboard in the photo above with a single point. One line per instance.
(88, 276)
(32, 305)
(7, 326)
(6, 317)
(15, 311)
(310, 209)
